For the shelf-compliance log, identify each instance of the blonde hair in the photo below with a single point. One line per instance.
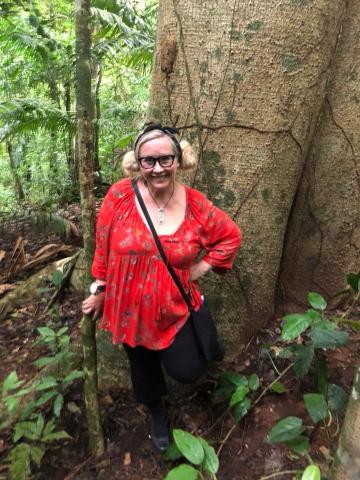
(187, 159)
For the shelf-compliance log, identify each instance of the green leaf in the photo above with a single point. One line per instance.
(311, 472)
(298, 445)
(61, 331)
(314, 315)
(316, 301)
(45, 398)
(189, 446)
(241, 409)
(224, 392)
(254, 382)
(57, 278)
(321, 374)
(39, 425)
(19, 458)
(58, 404)
(233, 378)
(239, 395)
(27, 410)
(126, 140)
(73, 376)
(46, 332)
(27, 430)
(11, 382)
(278, 387)
(211, 461)
(49, 427)
(316, 406)
(37, 454)
(353, 279)
(336, 397)
(172, 453)
(23, 391)
(294, 325)
(42, 361)
(182, 472)
(323, 338)
(11, 404)
(45, 383)
(303, 359)
(51, 437)
(286, 429)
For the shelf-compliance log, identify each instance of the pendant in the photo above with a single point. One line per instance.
(161, 215)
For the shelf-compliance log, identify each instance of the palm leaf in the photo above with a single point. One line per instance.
(30, 114)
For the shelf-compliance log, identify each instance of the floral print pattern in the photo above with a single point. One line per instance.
(142, 304)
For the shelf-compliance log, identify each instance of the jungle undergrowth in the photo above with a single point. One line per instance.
(32, 412)
(304, 339)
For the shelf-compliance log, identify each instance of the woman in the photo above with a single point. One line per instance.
(142, 307)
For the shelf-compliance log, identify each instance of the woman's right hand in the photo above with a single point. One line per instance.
(93, 303)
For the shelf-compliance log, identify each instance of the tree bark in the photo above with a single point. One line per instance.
(85, 152)
(245, 82)
(347, 459)
(70, 153)
(19, 192)
(323, 241)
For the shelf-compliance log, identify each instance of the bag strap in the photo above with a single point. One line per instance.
(159, 246)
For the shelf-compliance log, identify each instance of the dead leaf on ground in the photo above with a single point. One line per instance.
(5, 287)
(127, 459)
(2, 254)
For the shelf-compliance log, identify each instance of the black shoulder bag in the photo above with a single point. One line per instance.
(203, 324)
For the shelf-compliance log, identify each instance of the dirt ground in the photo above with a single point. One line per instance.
(129, 455)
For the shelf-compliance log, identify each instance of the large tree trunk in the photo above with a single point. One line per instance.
(323, 242)
(245, 82)
(85, 152)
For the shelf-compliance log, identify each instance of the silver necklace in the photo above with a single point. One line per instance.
(161, 210)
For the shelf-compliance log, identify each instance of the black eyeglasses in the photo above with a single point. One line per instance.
(165, 161)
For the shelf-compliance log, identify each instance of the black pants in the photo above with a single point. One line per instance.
(182, 360)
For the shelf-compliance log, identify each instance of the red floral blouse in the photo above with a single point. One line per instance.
(142, 304)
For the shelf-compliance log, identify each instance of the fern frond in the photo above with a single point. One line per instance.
(30, 114)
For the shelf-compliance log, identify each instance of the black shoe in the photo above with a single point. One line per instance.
(159, 428)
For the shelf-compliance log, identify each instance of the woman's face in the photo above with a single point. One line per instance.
(158, 178)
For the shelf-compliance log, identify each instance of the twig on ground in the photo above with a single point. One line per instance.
(285, 472)
(252, 405)
(78, 468)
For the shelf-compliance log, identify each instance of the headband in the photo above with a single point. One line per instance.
(169, 131)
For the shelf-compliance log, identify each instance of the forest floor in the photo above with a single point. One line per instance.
(129, 455)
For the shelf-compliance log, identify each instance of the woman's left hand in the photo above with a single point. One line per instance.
(199, 269)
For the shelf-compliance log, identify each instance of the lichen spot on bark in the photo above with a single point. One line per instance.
(290, 62)
(265, 194)
(212, 161)
(300, 3)
(168, 52)
(254, 26)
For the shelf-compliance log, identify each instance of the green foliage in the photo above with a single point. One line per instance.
(311, 472)
(316, 332)
(37, 60)
(197, 451)
(30, 427)
(237, 389)
(287, 429)
(309, 332)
